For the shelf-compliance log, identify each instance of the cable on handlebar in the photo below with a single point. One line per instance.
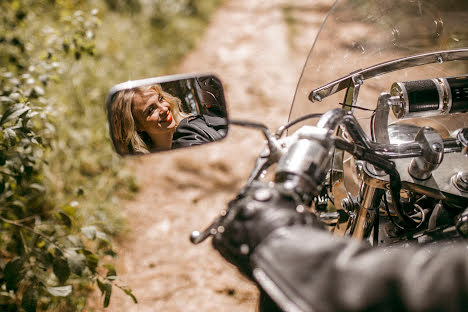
(281, 129)
(358, 107)
(390, 217)
(363, 153)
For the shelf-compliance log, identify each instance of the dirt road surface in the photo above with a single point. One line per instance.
(257, 48)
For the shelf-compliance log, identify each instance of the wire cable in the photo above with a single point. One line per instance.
(389, 214)
(357, 107)
(281, 129)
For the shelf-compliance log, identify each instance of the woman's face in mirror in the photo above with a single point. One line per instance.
(152, 112)
(146, 117)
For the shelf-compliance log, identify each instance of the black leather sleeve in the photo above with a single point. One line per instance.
(304, 269)
(196, 130)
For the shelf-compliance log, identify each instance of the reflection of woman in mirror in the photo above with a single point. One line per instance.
(144, 119)
(147, 118)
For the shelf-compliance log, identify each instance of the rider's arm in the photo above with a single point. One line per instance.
(303, 267)
(306, 269)
(197, 129)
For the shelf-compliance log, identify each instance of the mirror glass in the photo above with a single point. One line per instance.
(165, 113)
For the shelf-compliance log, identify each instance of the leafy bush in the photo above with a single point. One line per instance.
(44, 257)
(59, 178)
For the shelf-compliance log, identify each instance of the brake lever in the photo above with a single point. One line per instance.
(216, 227)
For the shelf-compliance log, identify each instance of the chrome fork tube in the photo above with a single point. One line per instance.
(368, 211)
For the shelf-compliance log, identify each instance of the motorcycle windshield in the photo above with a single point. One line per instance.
(358, 34)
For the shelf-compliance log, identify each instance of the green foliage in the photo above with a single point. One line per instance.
(43, 257)
(59, 178)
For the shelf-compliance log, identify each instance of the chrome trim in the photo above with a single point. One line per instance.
(405, 102)
(130, 84)
(441, 90)
(386, 67)
(449, 96)
(460, 180)
(367, 212)
(357, 82)
(381, 119)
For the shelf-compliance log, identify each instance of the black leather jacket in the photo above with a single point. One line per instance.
(198, 129)
(306, 269)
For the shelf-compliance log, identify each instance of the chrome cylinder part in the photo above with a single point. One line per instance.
(423, 98)
(304, 167)
(462, 136)
(460, 180)
(380, 124)
(331, 119)
(432, 147)
(367, 211)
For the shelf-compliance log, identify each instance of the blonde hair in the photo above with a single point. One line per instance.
(127, 139)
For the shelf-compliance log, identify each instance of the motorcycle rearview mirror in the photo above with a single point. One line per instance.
(165, 113)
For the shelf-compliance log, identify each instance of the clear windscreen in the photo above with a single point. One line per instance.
(358, 34)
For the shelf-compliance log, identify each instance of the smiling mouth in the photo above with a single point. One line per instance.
(168, 117)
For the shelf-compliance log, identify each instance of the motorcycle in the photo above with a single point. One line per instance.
(377, 140)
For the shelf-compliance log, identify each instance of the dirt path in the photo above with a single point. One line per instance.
(258, 55)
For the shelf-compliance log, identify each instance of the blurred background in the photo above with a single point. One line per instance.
(82, 228)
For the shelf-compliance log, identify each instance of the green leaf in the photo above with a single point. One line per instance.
(110, 270)
(17, 203)
(30, 297)
(14, 112)
(110, 252)
(61, 269)
(76, 261)
(91, 260)
(60, 291)
(106, 291)
(89, 231)
(128, 292)
(107, 294)
(37, 187)
(39, 91)
(12, 273)
(65, 219)
(5, 100)
(101, 286)
(103, 237)
(3, 158)
(56, 252)
(10, 136)
(80, 191)
(75, 240)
